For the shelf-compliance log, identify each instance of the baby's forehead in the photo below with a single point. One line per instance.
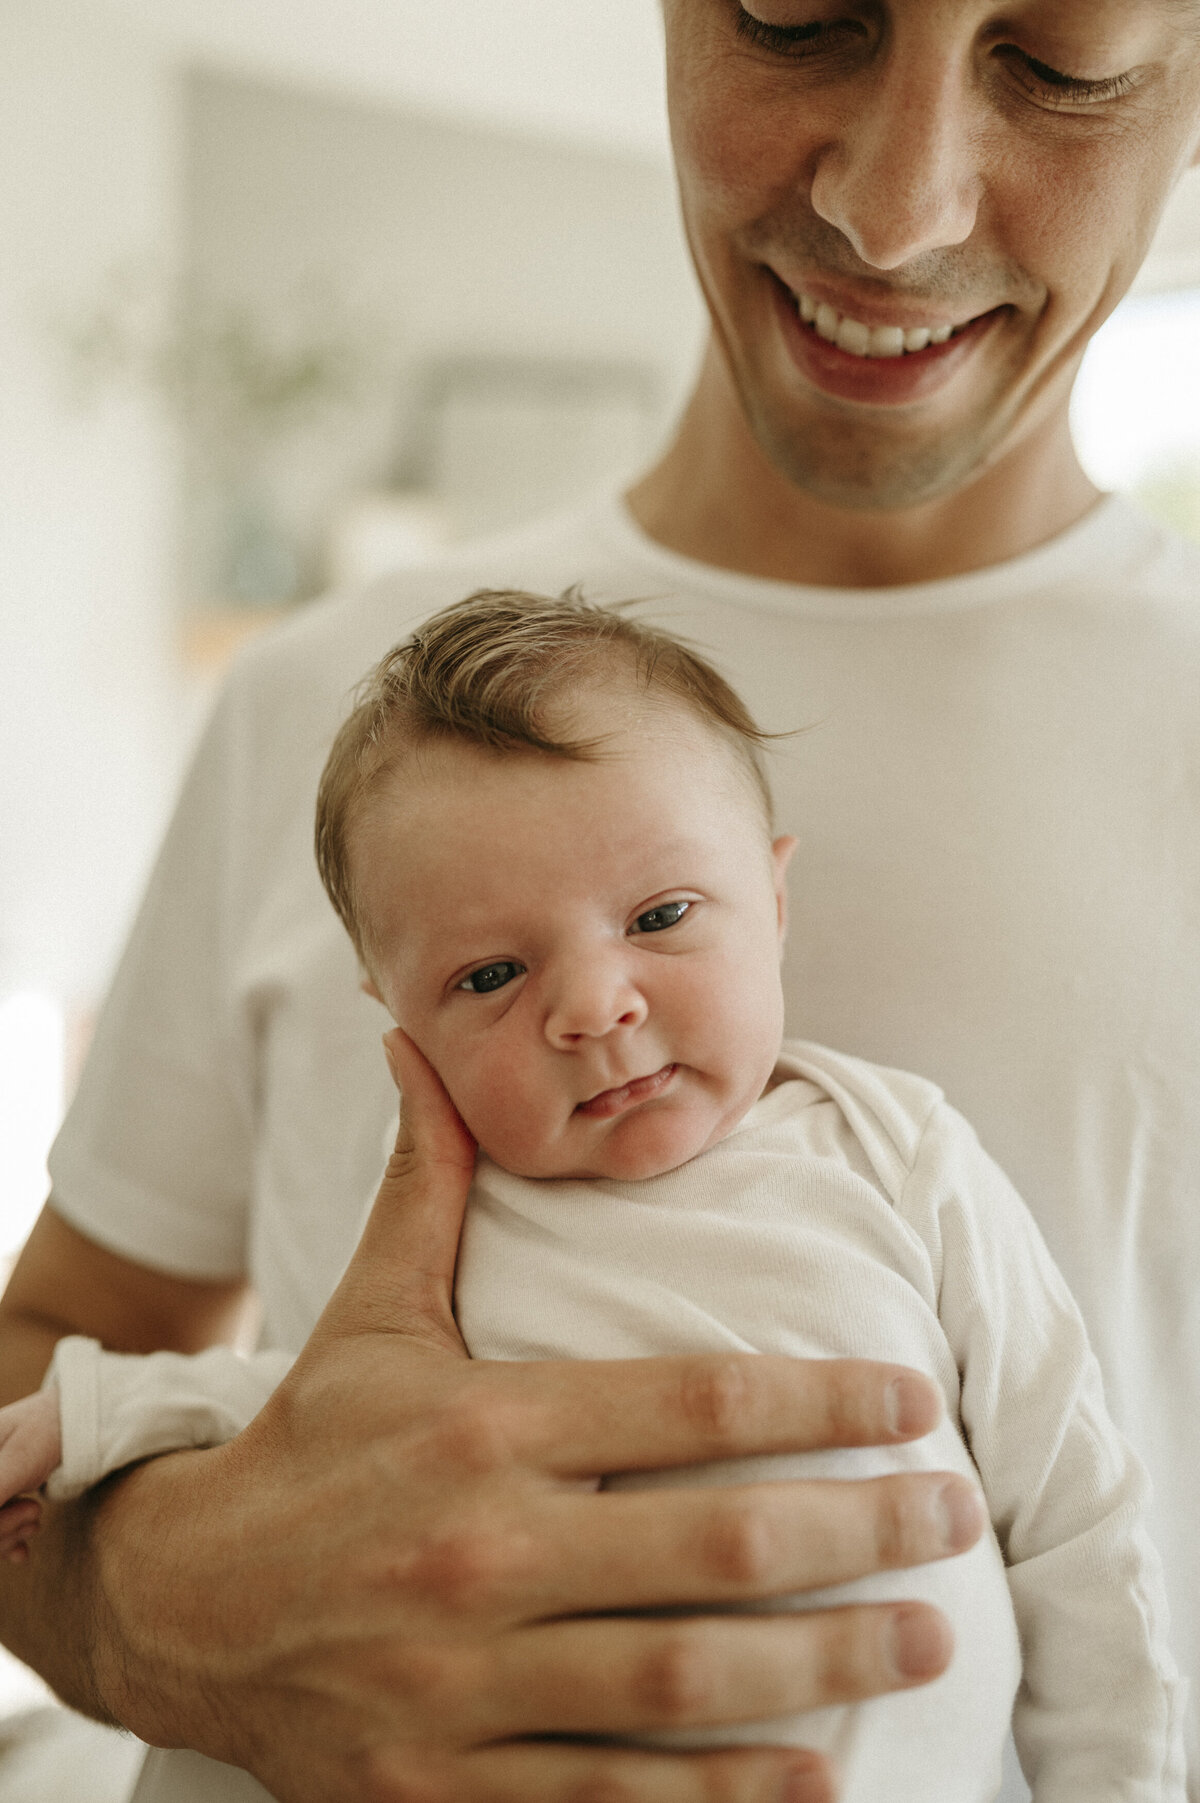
(633, 742)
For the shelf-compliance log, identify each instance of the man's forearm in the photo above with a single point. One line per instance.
(112, 1606)
(54, 1609)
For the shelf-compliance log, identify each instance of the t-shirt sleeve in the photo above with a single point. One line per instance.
(1098, 1714)
(154, 1159)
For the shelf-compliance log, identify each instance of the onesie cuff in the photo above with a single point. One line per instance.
(75, 1372)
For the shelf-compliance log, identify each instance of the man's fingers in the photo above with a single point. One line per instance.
(711, 1671)
(655, 1549)
(598, 1417)
(660, 1677)
(572, 1554)
(401, 1277)
(557, 1773)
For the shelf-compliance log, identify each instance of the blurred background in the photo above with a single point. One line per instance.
(291, 293)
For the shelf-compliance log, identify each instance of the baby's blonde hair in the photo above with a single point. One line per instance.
(489, 671)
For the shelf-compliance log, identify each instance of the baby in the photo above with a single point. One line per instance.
(547, 829)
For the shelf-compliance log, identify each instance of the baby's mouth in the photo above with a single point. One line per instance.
(641, 1089)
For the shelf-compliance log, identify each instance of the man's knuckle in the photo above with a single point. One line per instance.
(729, 1777)
(402, 1165)
(465, 1570)
(894, 1535)
(739, 1546)
(473, 1436)
(675, 1682)
(716, 1399)
(386, 1775)
(608, 1785)
(438, 1682)
(843, 1658)
(843, 1402)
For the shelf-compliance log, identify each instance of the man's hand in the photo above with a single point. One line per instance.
(401, 1583)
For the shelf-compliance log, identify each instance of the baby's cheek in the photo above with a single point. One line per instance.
(507, 1117)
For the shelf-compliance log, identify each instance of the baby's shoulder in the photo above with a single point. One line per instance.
(887, 1110)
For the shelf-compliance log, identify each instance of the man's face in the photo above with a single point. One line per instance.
(586, 952)
(904, 168)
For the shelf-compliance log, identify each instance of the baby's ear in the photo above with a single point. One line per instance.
(781, 857)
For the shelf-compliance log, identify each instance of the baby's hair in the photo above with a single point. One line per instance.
(488, 671)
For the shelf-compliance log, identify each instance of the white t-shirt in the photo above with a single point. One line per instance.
(998, 885)
(852, 1213)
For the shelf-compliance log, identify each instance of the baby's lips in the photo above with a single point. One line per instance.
(638, 1089)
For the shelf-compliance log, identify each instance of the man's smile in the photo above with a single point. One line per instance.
(867, 338)
(879, 361)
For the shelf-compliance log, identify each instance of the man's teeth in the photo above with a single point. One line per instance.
(868, 341)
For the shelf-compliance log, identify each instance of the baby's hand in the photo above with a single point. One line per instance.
(30, 1449)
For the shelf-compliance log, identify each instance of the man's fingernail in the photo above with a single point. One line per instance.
(960, 1515)
(920, 1643)
(910, 1406)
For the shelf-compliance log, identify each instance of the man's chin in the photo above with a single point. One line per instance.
(861, 465)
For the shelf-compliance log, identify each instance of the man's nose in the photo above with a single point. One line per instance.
(593, 997)
(900, 178)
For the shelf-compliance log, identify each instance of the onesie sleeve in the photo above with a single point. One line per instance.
(1099, 1713)
(118, 1407)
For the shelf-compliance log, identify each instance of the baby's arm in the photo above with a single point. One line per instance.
(1098, 1715)
(30, 1448)
(116, 1408)
(99, 1411)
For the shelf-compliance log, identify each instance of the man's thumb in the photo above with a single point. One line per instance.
(401, 1278)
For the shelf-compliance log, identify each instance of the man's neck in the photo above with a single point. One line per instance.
(715, 497)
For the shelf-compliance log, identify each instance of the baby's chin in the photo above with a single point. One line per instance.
(648, 1144)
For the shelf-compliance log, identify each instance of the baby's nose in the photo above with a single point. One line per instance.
(591, 1002)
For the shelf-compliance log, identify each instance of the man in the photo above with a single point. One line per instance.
(908, 217)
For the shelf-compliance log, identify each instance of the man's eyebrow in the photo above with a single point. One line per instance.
(1182, 13)
(1188, 10)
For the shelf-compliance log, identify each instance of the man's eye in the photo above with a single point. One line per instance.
(491, 976)
(796, 40)
(1054, 88)
(657, 920)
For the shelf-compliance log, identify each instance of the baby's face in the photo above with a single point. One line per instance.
(586, 952)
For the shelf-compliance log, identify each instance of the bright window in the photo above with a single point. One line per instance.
(1136, 414)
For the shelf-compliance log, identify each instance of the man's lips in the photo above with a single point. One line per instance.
(875, 380)
(882, 326)
(615, 1101)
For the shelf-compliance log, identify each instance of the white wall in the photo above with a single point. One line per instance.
(88, 695)
(454, 240)
(587, 74)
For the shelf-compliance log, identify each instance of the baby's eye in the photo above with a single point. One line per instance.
(491, 976)
(657, 920)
